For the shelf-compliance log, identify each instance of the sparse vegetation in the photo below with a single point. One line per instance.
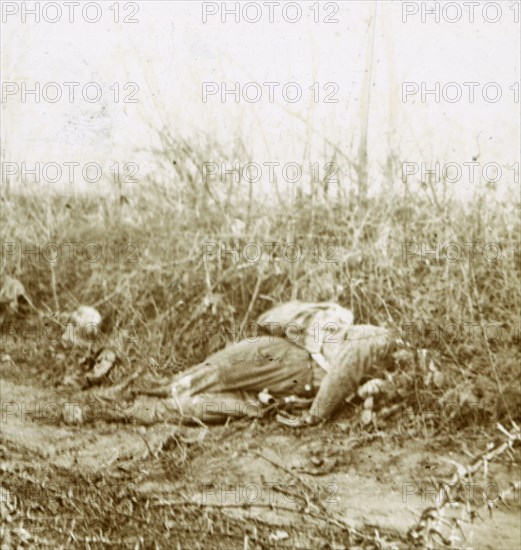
(153, 281)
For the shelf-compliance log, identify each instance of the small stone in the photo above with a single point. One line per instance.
(278, 536)
(367, 417)
(438, 379)
(72, 414)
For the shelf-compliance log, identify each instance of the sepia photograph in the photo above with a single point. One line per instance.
(260, 275)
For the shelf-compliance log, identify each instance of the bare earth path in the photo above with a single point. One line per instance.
(255, 474)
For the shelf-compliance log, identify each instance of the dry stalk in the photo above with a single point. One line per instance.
(427, 532)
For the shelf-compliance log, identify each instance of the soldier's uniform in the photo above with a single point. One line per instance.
(229, 382)
(324, 368)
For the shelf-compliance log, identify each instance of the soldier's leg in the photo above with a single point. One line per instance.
(215, 407)
(183, 409)
(140, 410)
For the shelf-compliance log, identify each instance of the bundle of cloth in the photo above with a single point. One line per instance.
(309, 356)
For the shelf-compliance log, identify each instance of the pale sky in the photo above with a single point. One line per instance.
(170, 52)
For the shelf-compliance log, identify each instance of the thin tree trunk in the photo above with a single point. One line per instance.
(365, 98)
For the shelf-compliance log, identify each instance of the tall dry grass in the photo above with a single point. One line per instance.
(180, 307)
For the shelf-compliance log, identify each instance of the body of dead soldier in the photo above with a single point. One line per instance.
(311, 359)
(244, 378)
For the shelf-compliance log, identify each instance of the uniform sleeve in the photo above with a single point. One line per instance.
(363, 347)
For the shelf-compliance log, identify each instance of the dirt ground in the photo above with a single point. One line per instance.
(249, 484)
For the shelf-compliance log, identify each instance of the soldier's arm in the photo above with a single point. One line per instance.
(365, 346)
(340, 382)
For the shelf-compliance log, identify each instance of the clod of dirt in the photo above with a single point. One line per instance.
(104, 362)
(11, 290)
